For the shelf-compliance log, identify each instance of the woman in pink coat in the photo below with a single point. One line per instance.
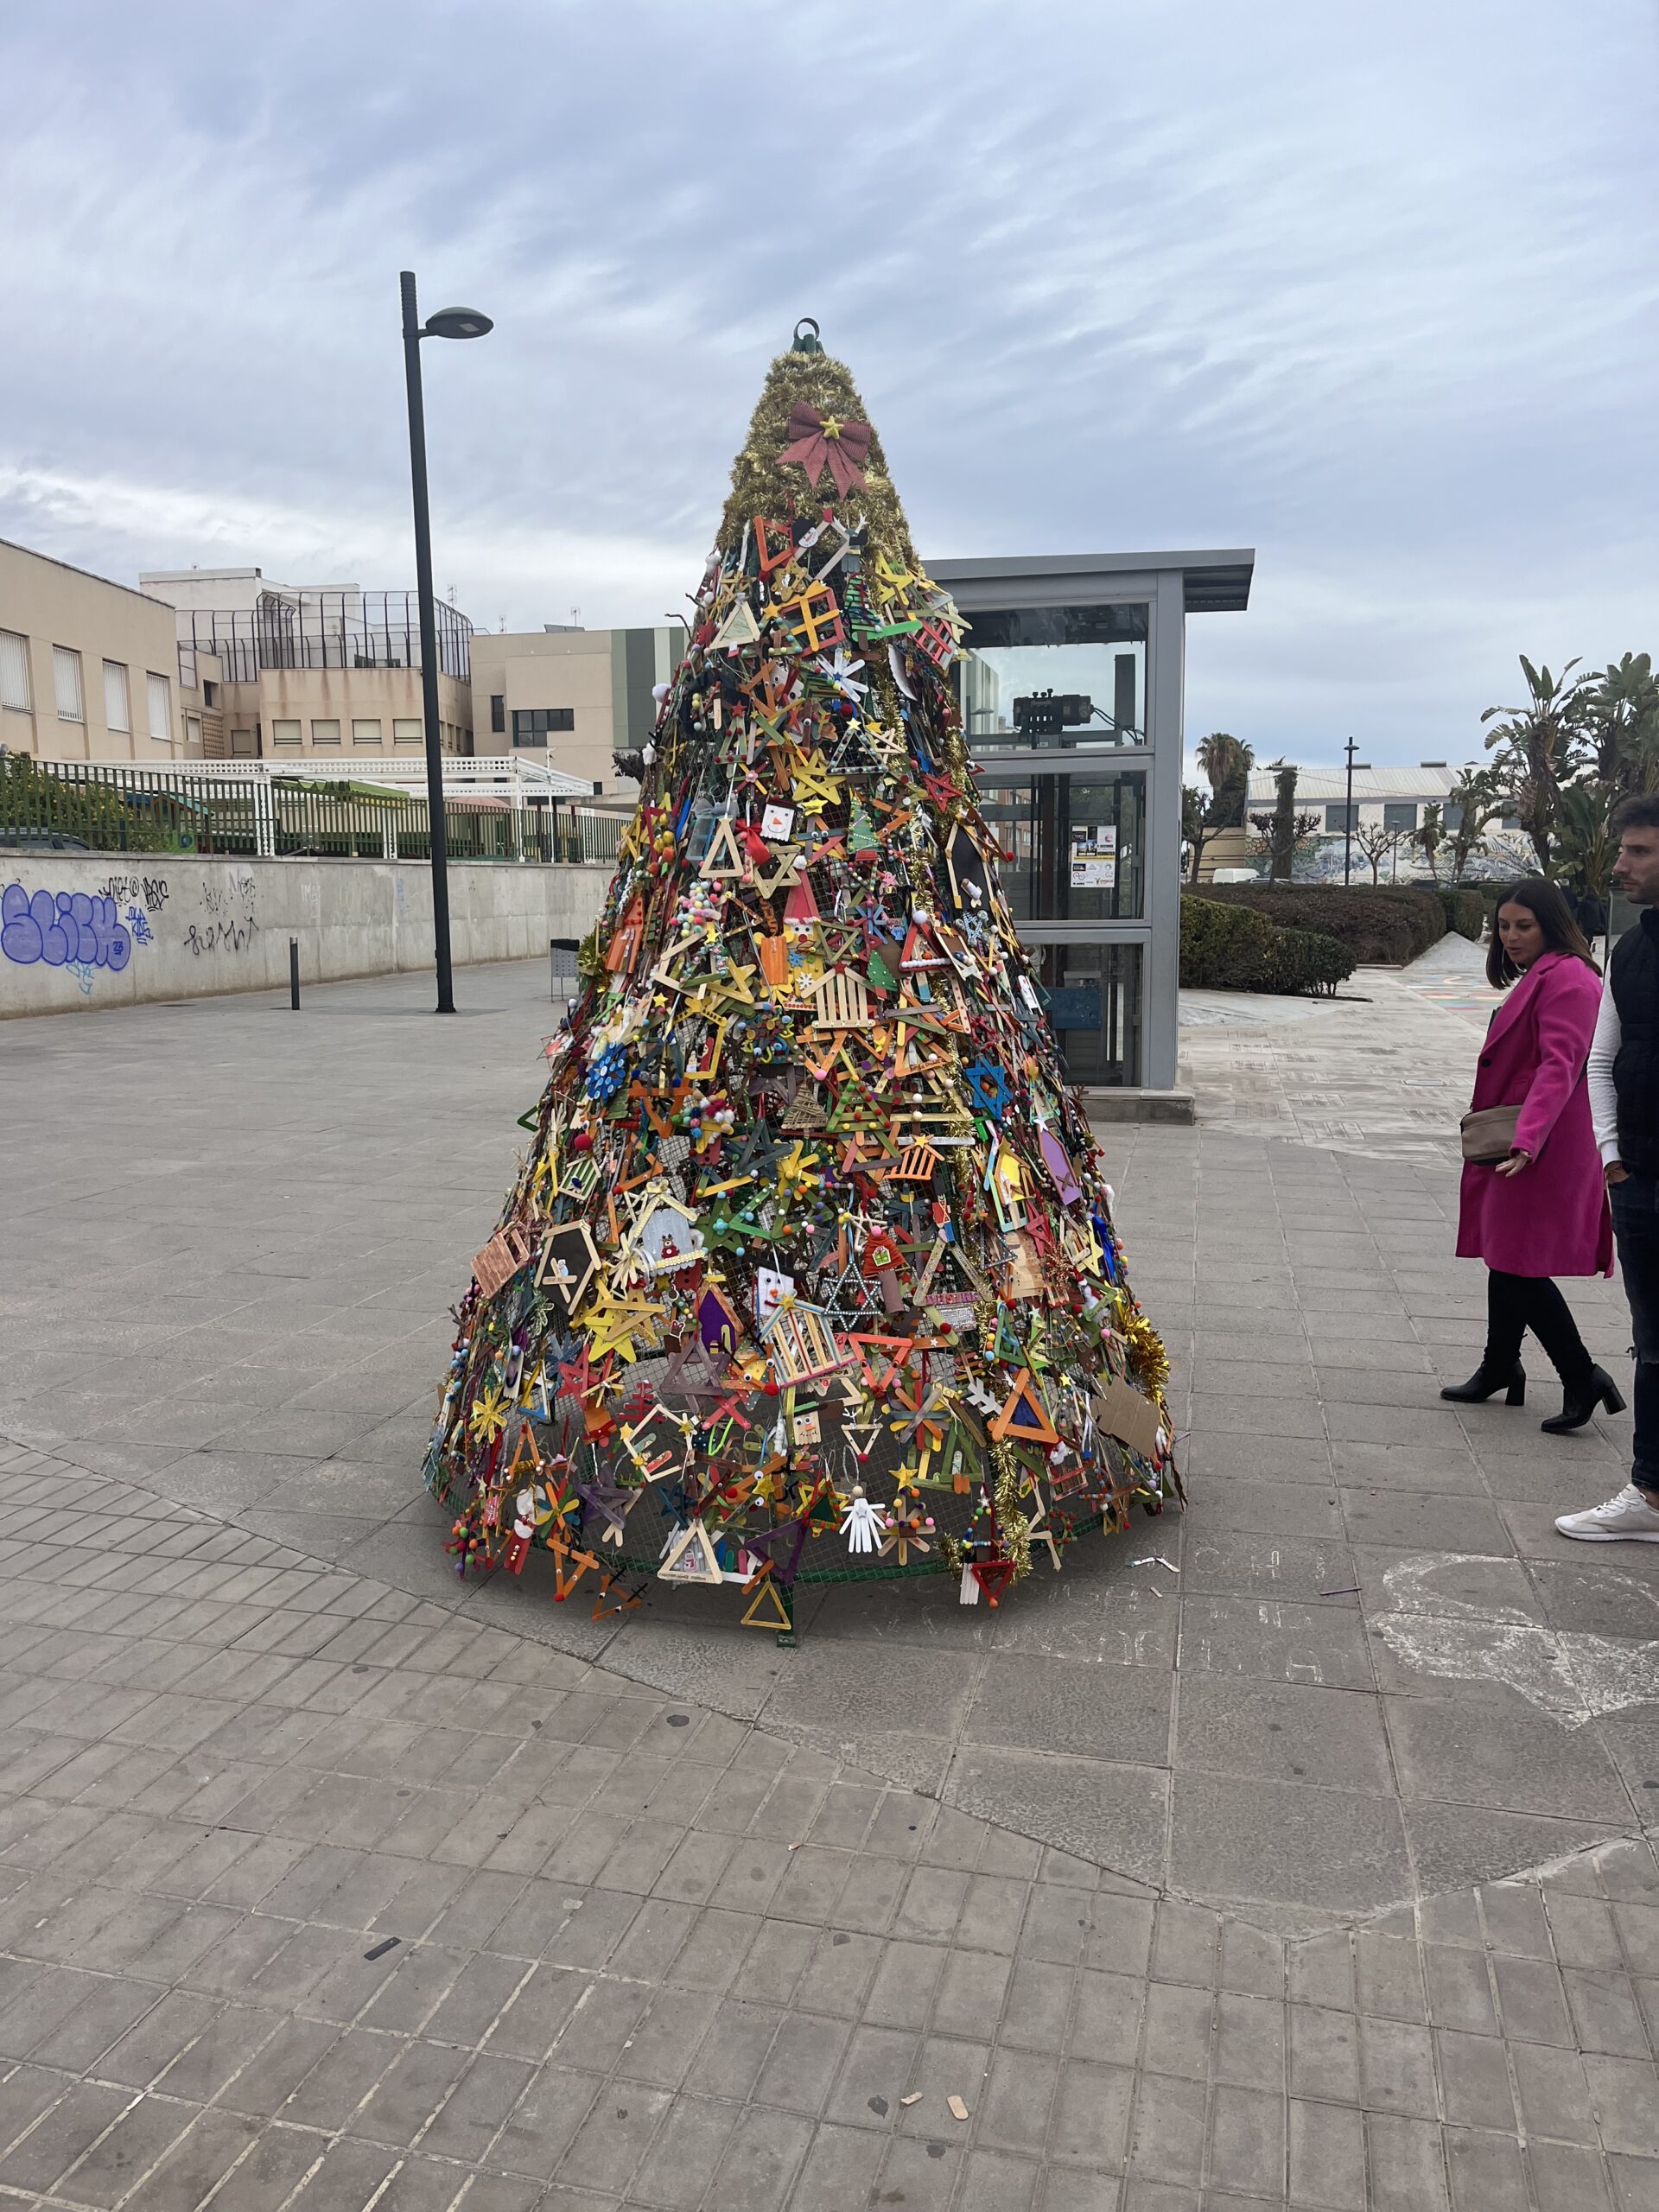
(1543, 1212)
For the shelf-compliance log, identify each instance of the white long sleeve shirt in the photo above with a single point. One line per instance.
(1599, 1075)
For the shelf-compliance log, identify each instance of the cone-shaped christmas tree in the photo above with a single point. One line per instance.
(810, 1273)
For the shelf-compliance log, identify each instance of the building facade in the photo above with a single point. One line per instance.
(1392, 799)
(326, 671)
(89, 669)
(571, 698)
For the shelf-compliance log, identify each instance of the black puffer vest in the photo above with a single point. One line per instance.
(1634, 969)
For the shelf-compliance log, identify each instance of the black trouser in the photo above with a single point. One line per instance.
(1636, 1231)
(1517, 1303)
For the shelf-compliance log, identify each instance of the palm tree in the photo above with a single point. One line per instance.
(1541, 745)
(1226, 760)
(1430, 836)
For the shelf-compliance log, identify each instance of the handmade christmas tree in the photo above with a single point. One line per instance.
(810, 1273)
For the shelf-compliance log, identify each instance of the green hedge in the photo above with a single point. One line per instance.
(1466, 911)
(1385, 924)
(1307, 960)
(1225, 946)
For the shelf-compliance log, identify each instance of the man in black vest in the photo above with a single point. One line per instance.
(1624, 1082)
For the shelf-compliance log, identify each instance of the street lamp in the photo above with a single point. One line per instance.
(1348, 810)
(448, 322)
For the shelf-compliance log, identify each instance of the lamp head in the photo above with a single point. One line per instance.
(457, 323)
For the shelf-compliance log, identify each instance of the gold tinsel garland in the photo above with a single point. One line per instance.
(763, 485)
(1149, 1361)
(1011, 1524)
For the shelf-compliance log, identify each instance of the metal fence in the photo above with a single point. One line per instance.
(329, 629)
(101, 807)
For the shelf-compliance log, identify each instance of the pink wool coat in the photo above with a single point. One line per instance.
(1551, 1219)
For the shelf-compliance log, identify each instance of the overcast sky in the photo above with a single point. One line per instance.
(1371, 289)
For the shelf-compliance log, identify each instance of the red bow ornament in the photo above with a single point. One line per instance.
(820, 441)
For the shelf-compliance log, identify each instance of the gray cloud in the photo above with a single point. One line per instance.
(1374, 293)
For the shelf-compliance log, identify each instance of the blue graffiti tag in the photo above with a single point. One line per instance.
(138, 921)
(73, 928)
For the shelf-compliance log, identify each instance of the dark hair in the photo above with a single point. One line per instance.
(1546, 903)
(1637, 814)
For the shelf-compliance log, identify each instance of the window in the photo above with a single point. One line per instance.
(498, 712)
(531, 725)
(1400, 817)
(209, 692)
(1077, 841)
(117, 711)
(66, 680)
(193, 732)
(365, 733)
(286, 734)
(1453, 817)
(1091, 993)
(161, 709)
(325, 733)
(1055, 676)
(242, 744)
(13, 671)
(1340, 819)
(407, 731)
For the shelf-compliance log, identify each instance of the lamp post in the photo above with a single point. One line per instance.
(448, 322)
(1348, 810)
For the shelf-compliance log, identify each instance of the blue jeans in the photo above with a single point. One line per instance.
(1636, 1231)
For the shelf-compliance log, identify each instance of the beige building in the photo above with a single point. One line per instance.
(570, 699)
(326, 672)
(89, 669)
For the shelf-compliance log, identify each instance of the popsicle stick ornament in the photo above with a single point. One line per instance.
(805, 934)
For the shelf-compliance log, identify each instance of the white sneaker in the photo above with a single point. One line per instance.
(1628, 1518)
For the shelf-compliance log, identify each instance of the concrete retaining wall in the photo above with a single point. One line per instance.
(95, 930)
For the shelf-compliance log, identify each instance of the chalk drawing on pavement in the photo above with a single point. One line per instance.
(1566, 1673)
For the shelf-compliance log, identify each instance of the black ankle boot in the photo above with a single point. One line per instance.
(1485, 1383)
(1581, 1400)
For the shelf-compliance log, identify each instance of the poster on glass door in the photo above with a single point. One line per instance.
(1093, 858)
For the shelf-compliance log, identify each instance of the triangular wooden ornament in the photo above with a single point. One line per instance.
(725, 861)
(1022, 1419)
(739, 628)
(806, 1110)
(993, 1576)
(690, 1557)
(766, 1608)
(569, 1567)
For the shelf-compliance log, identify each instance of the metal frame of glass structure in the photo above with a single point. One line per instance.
(1072, 689)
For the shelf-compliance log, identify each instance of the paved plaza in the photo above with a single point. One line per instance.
(1290, 1850)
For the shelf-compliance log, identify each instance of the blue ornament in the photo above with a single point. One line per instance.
(990, 1085)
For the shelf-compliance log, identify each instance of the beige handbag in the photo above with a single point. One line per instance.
(1489, 1134)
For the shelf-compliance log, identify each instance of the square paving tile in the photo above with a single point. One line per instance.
(1285, 1732)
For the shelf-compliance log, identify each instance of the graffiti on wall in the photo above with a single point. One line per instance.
(78, 930)
(218, 936)
(230, 924)
(149, 891)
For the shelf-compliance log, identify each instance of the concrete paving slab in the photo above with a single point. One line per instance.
(1308, 1242)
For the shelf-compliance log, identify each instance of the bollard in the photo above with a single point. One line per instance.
(293, 973)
